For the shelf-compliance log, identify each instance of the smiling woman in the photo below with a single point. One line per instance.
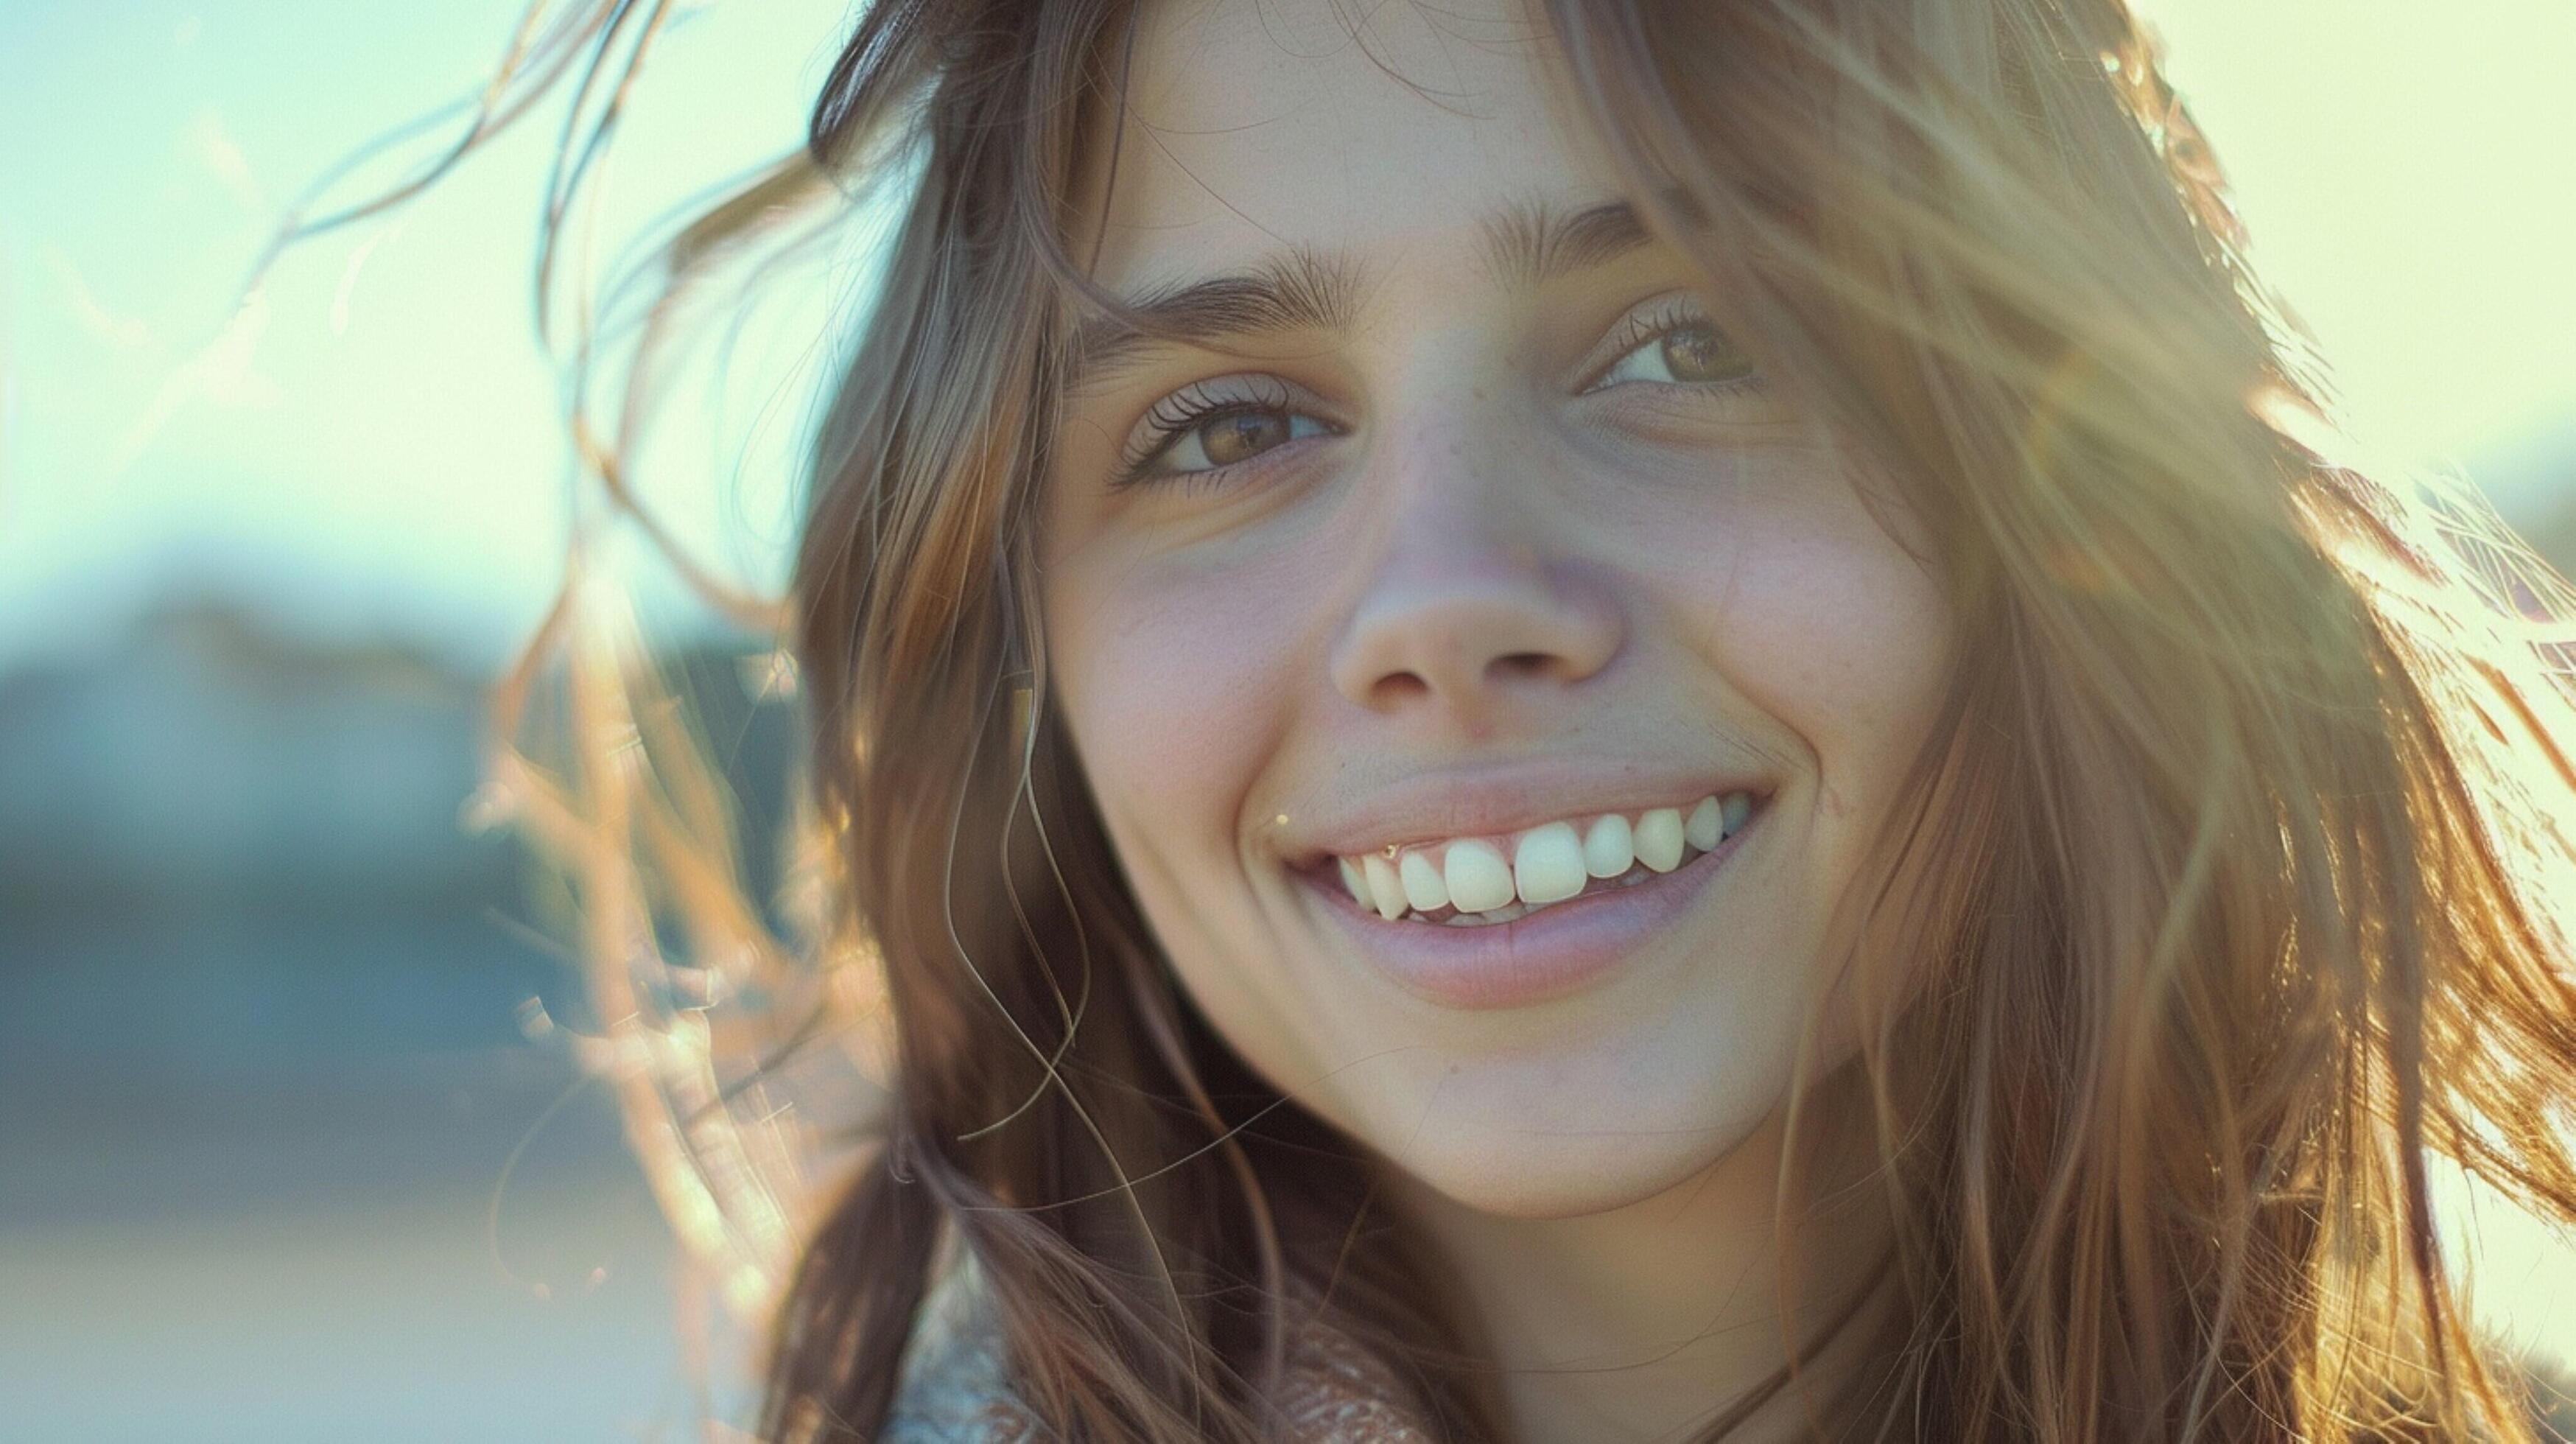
(1460, 533)
(1634, 720)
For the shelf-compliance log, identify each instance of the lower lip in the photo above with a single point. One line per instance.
(1531, 959)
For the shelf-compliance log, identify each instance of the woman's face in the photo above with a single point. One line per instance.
(1460, 562)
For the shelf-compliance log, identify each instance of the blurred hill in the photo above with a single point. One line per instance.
(261, 1071)
(222, 847)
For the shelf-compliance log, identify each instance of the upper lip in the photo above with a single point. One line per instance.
(1432, 806)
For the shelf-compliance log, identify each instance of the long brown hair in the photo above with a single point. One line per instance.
(2236, 863)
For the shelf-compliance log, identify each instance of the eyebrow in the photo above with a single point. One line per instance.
(1534, 244)
(1297, 290)
(1302, 289)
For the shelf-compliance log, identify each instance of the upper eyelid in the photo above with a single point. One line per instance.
(1233, 388)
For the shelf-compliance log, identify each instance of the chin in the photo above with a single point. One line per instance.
(1486, 1158)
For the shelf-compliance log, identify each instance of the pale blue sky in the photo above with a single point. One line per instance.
(375, 441)
(374, 444)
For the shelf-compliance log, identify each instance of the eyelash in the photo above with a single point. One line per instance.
(1175, 415)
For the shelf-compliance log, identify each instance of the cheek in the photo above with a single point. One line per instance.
(1822, 621)
(1174, 680)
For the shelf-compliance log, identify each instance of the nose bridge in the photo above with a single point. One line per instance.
(1448, 493)
(1472, 585)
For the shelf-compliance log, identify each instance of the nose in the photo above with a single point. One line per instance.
(1472, 597)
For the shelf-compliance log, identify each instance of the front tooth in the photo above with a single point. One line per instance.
(1659, 839)
(1547, 866)
(1609, 849)
(1477, 877)
(1422, 885)
(1388, 892)
(1706, 826)
(1357, 882)
(1737, 806)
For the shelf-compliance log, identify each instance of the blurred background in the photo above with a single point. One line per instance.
(296, 1140)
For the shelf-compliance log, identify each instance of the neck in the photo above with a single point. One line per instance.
(1651, 1319)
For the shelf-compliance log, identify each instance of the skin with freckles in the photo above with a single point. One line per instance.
(1482, 505)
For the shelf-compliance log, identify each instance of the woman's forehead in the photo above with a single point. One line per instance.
(1262, 127)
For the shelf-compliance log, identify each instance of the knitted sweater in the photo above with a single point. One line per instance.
(952, 1388)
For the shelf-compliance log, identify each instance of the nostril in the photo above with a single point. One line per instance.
(1524, 664)
(1402, 687)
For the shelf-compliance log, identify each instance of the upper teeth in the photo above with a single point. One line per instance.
(1496, 879)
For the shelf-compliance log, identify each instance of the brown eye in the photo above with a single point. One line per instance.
(1700, 353)
(1241, 435)
(1685, 349)
(1209, 438)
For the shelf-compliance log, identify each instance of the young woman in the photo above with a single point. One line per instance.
(1625, 719)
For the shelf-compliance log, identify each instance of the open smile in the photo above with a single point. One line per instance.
(1515, 955)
